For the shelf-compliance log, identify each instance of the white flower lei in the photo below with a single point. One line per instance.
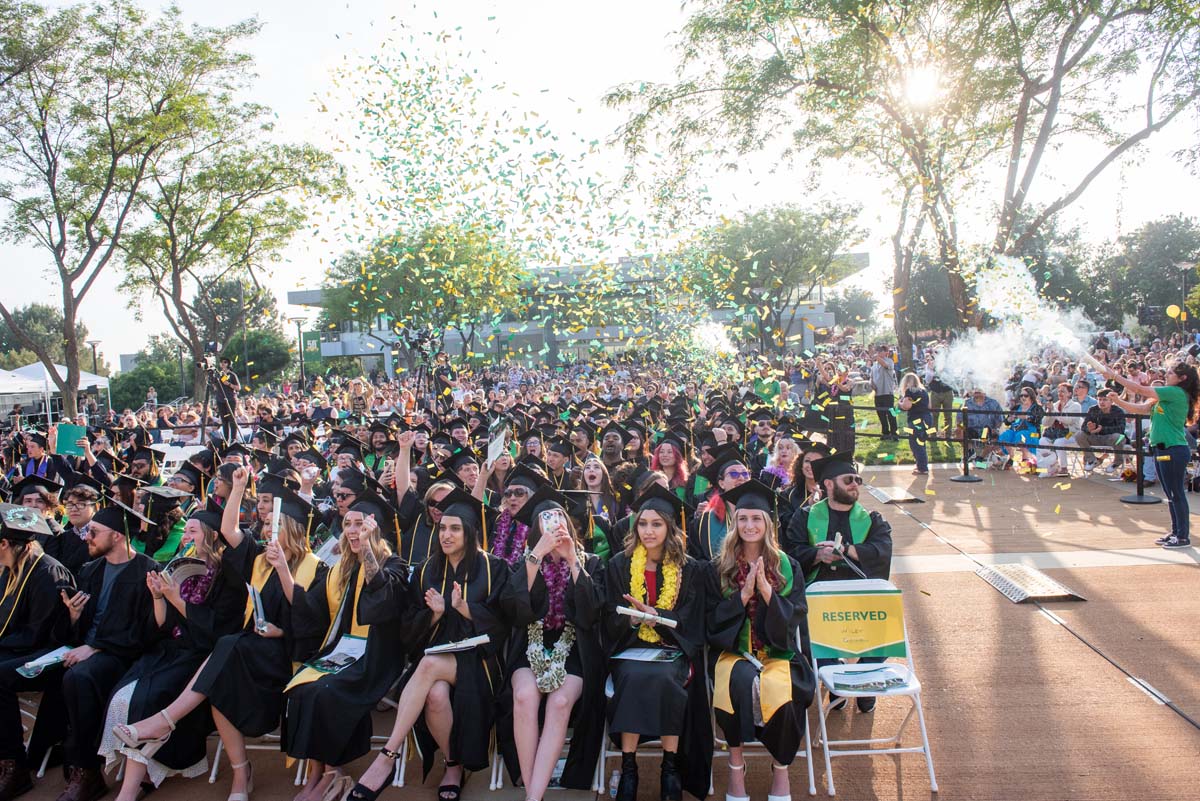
(549, 667)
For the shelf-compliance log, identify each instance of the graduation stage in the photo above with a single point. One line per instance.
(1018, 706)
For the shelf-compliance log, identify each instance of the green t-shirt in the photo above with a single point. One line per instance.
(1168, 417)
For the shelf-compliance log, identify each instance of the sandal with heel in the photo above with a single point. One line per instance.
(728, 796)
(249, 782)
(787, 797)
(361, 792)
(450, 792)
(127, 733)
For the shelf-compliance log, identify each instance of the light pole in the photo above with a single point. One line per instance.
(300, 348)
(94, 343)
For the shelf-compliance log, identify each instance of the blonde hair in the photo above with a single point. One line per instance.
(910, 381)
(729, 562)
(349, 559)
(293, 539)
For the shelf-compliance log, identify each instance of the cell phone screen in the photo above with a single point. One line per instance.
(552, 519)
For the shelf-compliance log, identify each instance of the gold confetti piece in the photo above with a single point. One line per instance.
(930, 492)
(1058, 508)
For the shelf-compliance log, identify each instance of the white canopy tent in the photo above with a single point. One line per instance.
(13, 384)
(37, 374)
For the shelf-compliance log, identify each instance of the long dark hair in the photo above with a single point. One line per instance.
(437, 557)
(1189, 382)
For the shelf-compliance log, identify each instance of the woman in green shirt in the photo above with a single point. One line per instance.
(1173, 407)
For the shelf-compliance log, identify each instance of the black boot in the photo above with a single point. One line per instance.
(627, 789)
(670, 787)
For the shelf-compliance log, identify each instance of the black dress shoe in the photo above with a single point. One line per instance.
(14, 779)
(866, 704)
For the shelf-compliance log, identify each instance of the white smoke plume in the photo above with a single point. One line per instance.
(1028, 325)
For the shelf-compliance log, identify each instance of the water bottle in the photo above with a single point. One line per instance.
(613, 782)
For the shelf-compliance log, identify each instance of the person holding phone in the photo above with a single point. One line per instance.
(363, 597)
(244, 676)
(659, 698)
(553, 604)
(191, 615)
(453, 596)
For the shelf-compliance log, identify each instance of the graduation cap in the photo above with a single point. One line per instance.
(21, 524)
(37, 438)
(526, 475)
(145, 454)
(815, 447)
(380, 427)
(657, 498)
(671, 438)
(614, 428)
(834, 465)
(123, 481)
(586, 427)
(30, 484)
(466, 507)
(707, 439)
(274, 484)
(353, 480)
(313, 455)
(455, 422)
(293, 506)
(442, 439)
(352, 445)
(561, 446)
(752, 495)
(296, 437)
(529, 460)
(544, 499)
(209, 517)
(163, 499)
(460, 458)
(191, 474)
(724, 456)
(120, 518)
(73, 479)
(237, 449)
(639, 427)
(370, 503)
(267, 435)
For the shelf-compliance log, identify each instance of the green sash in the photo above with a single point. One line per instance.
(818, 527)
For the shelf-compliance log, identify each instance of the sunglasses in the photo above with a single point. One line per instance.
(737, 474)
(850, 481)
(515, 492)
(341, 496)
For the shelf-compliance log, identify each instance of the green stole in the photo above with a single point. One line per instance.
(818, 527)
(785, 570)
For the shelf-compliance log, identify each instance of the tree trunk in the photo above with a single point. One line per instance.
(904, 247)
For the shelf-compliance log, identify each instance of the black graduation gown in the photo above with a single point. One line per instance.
(418, 537)
(479, 670)
(706, 535)
(246, 673)
(874, 553)
(65, 546)
(776, 624)
(166, 669)
(342, 702)
(617, 533)
(642, 700)
(585, 603)
(30, 616)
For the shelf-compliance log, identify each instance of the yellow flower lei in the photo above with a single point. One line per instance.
(637, 588)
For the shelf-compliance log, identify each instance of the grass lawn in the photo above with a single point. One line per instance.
(871, 450)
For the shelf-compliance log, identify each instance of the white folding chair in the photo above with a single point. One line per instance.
(29, 709)
(889, 640)
(268, 742)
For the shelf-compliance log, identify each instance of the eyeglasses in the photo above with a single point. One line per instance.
(78, 504)
(737, 474)
(516, 492)
(850, 481)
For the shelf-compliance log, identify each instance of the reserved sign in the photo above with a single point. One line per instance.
(848, 619)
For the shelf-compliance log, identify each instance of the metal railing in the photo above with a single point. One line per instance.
(1133, 447)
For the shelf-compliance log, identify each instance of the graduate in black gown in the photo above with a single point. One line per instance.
(190, 615)
(110, 624)
(667, 700)
(553, 601)
(244, 677)
(81, 500)
(364, 596)
(449, 697)
(29, 611)
(418, 514)
(763, 681)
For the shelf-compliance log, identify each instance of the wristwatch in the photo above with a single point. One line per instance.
(531, 559)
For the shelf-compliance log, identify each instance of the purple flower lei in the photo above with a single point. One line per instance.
(556, 573)
(511, 536)
(779, 473)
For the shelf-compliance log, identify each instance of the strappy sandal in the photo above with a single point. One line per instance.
(339, 788)
(361, 792)
(249, 782)
(450, 792)
(147, 747)
(728, 797)
(787, 797)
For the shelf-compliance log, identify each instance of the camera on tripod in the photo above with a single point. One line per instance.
(208, 361)
(419, 340)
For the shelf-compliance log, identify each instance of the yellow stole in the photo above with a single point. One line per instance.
(336, 597)
(774, 684)
(304, 575)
